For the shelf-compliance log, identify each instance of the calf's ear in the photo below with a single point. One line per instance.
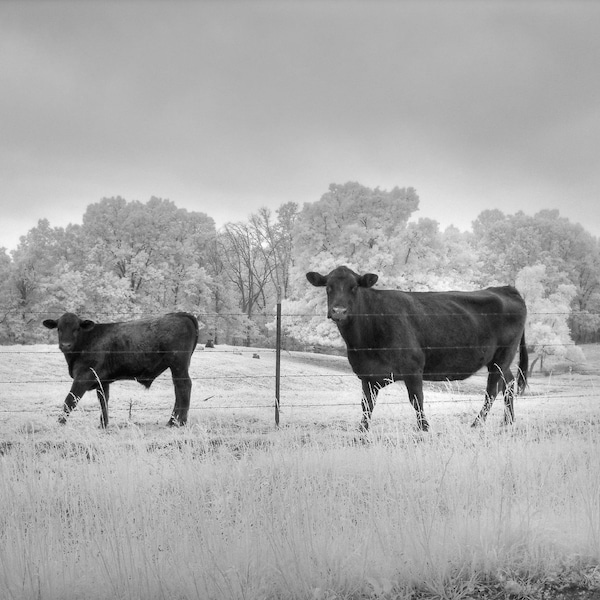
(50, 323)
(368, 280)
(86, 325)
(316, 279)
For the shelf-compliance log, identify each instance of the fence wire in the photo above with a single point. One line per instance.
(155, 314)
(591, 386)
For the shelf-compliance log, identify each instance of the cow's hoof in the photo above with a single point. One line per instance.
(62, 420)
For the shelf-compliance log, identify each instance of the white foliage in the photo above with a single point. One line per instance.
(369, 231)
(547, 330)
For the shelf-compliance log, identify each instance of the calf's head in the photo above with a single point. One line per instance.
(342, 286)
(69, 328)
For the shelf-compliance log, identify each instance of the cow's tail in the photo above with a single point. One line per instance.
(523, 366)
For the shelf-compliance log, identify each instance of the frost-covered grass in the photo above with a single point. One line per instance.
(231, 507)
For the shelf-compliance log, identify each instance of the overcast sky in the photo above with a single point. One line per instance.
(224, 107)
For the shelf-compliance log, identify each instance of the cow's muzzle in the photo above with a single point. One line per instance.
(338, 313)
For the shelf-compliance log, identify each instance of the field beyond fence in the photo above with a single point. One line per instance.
(233, 507)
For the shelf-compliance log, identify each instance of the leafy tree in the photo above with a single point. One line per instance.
(154, 251)
(130, 258)
(505, 244)
(353, 224)
(459, 261)
(370, 230)
(430, 260)
(33, 265)
(508, 243)
(8, 305)
(121, 239)
(421, 253)
(585, 319)
(363, 228)
(547, 331)
(158, 249)
(92, 292)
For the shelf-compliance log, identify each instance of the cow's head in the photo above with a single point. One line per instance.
(342, 286)
(69, 328)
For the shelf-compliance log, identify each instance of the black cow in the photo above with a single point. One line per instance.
(435, 336)
(100, 353)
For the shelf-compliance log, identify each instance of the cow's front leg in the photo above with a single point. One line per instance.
(78, 389)
(414, 386)
(370, 389)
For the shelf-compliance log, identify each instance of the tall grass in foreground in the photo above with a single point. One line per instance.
(114, 516)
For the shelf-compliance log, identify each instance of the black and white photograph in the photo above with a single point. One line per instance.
(300, 299)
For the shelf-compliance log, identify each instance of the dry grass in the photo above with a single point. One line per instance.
(230, 507)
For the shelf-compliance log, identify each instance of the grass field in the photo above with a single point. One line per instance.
(232, 507)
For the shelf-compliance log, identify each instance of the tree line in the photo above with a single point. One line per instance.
(128, 259)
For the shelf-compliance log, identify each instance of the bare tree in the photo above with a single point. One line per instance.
(275, 242)
(246, 267)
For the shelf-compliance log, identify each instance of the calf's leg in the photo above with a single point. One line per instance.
(78, 389)
(102, 393)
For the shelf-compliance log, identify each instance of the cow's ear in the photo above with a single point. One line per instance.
(87, 325)
(316, 279)
(50, 323)
(368, 280)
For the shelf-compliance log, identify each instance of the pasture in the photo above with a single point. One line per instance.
(231, 507)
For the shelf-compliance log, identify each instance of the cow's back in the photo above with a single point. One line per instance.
(445, 335)
(491, 309)
(140, 349)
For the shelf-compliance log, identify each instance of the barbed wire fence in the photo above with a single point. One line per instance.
(588, 390)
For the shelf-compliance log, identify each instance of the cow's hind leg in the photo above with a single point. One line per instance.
(500, 380)
(494, 383)
(102, 393)
(414, 386)
(183, 390)
(509, 396)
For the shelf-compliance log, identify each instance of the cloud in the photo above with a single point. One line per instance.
(225, 107)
